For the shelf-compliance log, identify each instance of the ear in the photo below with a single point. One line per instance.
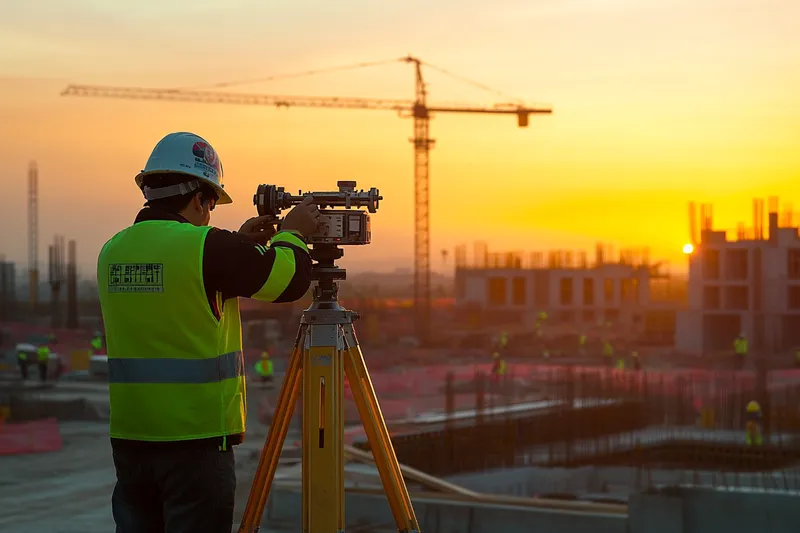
(197, 202)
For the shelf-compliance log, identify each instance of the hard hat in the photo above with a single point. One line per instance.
(753, 407)
(265, 355)
(741, 334)
(184, 153)
(495, 355)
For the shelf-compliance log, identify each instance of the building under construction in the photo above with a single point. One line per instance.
(513, 288)
(747, 281)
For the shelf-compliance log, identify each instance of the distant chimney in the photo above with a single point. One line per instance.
(72, 288)
(773, 227)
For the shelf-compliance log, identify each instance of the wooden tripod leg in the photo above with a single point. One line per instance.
(323, 428)
(271, 452)
(377, 434)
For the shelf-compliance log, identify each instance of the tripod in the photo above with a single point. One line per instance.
(325, 350)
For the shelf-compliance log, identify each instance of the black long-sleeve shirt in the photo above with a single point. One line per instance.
(236, 266)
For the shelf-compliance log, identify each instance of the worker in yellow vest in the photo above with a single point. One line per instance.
(582, 344)
(23, 362)
(264, 368)
(740, 349)
(42, 359)
(637, 364)
(753, 424)
(97, 344)
(608, 353)
(498, 366)
(169, 288)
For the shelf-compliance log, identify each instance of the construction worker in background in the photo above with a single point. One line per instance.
(503, 340)
(169, 286)
(740, 347)
(608, 353)
(97, 343)
(22, 361)
(264, 368)
(498, 366)
(42, 358)
(753, 424)
(637, 364)
(582, 344)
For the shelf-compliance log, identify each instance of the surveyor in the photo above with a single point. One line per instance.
(169, 287)
(264, 368)
(740, 348)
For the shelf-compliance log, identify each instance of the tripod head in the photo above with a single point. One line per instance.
(325, 272)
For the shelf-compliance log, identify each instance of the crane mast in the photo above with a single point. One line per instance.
(418, 110)
(422, 230)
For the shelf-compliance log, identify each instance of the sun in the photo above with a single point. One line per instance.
(688, 249)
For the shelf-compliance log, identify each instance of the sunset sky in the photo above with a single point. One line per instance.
(656, 102)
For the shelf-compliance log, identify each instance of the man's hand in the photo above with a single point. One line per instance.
(260, 229)
(304, 218)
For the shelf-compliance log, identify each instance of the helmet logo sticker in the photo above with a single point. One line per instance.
(205, 158)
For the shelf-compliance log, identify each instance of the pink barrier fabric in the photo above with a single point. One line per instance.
(40, 436)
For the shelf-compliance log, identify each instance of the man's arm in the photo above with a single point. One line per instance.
(235, 265)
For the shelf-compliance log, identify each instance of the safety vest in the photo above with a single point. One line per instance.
(175, 372)
(264, 367)
(740, 346)
(43, 354)
(582, 340)
(608, 350)
(501, 367)
(97, 343)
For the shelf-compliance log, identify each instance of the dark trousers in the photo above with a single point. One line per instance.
(23, 368)
(174, 491)
(42, 372)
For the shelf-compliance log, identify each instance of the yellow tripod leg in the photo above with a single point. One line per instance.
(323, 430)
(378, 434)
(271, 452)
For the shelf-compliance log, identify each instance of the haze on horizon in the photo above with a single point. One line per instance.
(656, 102)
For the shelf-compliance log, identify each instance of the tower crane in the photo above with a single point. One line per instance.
(417, 109)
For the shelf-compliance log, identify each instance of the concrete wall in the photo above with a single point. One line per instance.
(767, 281)
(441, 516)
(694, 510)
(476, 281)
(675, 510)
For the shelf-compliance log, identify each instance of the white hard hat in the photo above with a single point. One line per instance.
(184, 153)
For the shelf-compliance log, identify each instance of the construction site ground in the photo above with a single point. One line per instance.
(70, 490)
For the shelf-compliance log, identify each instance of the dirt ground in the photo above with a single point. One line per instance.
(69, 491)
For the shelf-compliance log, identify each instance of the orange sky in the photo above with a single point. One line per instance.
(656, 102)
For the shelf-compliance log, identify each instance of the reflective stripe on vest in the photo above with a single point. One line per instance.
(165, 370)
(176, 372)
